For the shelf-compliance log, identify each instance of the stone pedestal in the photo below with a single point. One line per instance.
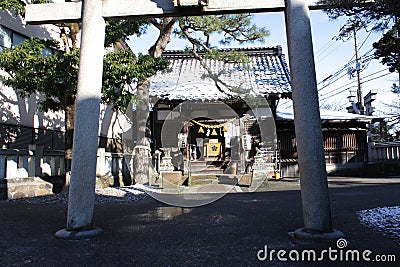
(166, 162)
(172, 179)
(259, 163)
(13, 188)
(245, 179)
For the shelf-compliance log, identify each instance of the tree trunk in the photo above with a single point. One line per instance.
(69, 114)
(166, 25)
(142, 149)
(143, 145)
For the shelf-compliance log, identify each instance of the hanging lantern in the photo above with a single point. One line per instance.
(225, 129)
(214, 132)
(201, 130)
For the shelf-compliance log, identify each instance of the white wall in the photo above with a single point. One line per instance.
(16, 23)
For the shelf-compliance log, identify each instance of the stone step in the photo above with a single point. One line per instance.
(215, 172)
(198, 163)
(203, 179)
(208, 162)
(206, 169)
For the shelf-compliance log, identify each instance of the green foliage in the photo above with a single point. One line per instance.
(121, 69)
(55, 76)
(396, 89)
(122, 29)
(388, 49)
(17, 5)
(29, 71)
(370, 11)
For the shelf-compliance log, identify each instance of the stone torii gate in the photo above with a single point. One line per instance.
(92, 13)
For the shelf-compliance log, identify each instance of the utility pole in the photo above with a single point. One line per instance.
(360, 105)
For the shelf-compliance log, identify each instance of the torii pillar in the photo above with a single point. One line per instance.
(307, 121)
(84, 153)
(314, 185)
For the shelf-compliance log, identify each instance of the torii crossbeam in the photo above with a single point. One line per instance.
(92, 13)
(72, 11)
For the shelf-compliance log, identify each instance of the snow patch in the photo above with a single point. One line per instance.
(385, 220)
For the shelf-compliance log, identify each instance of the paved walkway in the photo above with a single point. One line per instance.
(228, 232)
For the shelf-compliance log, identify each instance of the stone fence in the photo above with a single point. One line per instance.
(384, 151)
(21, 170)
(33, 162)
(384, 159)
(37, 162)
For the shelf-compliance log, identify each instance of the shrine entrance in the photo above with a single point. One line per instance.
(203, 136)
(209, 146)
(209, 139)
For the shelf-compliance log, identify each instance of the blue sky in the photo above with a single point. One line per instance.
(330, 56)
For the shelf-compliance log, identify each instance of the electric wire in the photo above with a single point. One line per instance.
(350, 62)
(365, 60)
(326, 96)
(323, 49)
(354, 82)
(333, 50)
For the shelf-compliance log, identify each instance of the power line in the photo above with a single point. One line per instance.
(331, 82)
(322, 49)
(351, 61)
(348, 87)
(366, 38)
(375, 77)
(334, 90)
(333, 50)
(337, 93)
(366, 58)
(327, 95)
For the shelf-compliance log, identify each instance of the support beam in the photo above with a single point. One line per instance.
(313, 177)
(71, 11)
(83, 173)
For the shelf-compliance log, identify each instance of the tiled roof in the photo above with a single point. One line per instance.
(188, 80)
